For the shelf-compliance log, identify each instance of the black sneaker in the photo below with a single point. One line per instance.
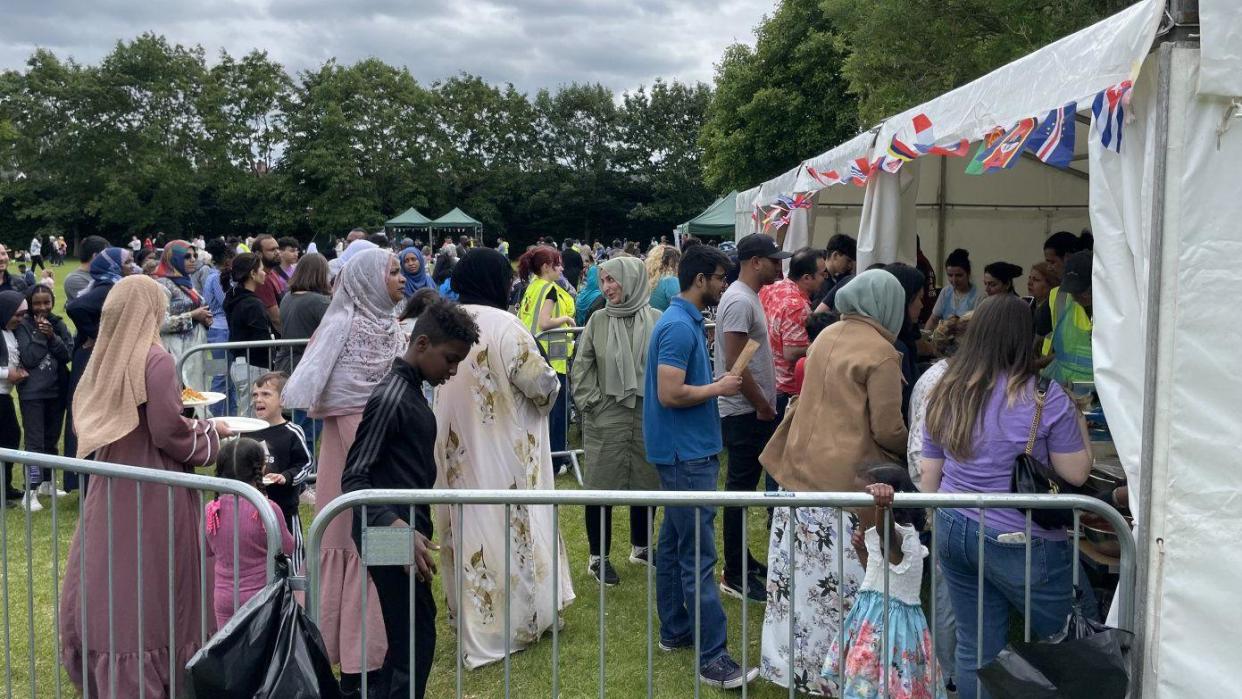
(640, 555)
(610, 575)
(756, 589)
(670, 646)
(724, 673)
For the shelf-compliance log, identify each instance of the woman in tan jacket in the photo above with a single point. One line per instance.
(848, 415)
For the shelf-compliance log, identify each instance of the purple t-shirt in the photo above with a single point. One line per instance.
(1000, 437)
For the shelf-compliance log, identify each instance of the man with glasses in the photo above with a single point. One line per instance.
(681, 430)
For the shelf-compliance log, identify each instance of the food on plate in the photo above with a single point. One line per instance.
(189, 394)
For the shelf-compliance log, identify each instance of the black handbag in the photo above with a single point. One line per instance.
(1030, 477)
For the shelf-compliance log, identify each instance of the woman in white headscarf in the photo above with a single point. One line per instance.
(347, 356)
(608, 389)
(848, 415)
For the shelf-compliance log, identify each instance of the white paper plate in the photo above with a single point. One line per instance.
(270, 478)
(239, 425)
(209, 398)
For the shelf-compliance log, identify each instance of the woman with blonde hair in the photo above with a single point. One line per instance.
(662, 275)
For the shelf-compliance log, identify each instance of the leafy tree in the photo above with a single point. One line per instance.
(778, 103)
(900, 53)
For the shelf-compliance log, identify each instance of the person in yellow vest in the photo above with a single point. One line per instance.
(547, 306)
(1065, 323)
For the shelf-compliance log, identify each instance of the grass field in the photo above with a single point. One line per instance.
(31, 544)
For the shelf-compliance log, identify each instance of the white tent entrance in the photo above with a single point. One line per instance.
(1165, 213)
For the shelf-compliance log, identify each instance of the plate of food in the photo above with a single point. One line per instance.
(271, 478)
(193, 398)
(239, 425)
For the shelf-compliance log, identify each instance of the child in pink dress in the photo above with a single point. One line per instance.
(242, 460)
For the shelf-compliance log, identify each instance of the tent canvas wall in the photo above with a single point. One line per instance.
(1164, 213)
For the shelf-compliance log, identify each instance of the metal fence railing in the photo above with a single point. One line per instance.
(460, 502)
(106, 481)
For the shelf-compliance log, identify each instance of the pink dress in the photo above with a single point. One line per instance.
(250, 566)
(167, 441)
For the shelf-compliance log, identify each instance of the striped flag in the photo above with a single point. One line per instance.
(1109, 112)
(925, 140)
(1001, 153)
(1053, 141)
(898, 154)
(860, 172)
(827, 179)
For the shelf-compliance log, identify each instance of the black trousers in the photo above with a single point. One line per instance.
(392, 584)
(640, 535)
(745, 436)
(43, 419)
(10, 438)
(36, 262)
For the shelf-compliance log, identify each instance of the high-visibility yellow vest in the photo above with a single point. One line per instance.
(1070, 340)
(559, 347)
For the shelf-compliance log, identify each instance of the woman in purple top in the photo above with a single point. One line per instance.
(978, 421)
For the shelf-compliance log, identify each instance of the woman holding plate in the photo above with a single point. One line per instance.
(350, 352)
(130, 389)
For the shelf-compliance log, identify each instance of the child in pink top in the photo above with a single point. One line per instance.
(242, 460)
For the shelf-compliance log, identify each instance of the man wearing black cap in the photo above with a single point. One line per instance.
(749, 419)
(1065, 323)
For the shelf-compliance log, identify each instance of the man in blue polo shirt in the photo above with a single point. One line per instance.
(681, 429)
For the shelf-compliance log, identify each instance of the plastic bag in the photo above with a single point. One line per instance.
(269, 648)
(1086, 660)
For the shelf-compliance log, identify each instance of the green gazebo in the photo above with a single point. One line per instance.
(716, 220)
(410, 219)
(458, 222)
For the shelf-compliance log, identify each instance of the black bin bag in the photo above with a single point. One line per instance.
(270, 649)
(1087, 660)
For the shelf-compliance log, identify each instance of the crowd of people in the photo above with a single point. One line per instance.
(421, 375)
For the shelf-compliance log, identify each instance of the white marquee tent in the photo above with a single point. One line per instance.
(1166, 213)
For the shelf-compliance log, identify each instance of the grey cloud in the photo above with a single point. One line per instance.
(530, 43)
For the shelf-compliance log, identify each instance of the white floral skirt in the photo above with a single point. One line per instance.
(817, 592)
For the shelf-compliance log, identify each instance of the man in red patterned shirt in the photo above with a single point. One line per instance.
(787, 303)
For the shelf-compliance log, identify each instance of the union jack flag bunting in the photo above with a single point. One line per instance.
(1053, 140)
(1108, 111)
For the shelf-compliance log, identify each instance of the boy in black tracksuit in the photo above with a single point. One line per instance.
(394, 449)
(288, 458)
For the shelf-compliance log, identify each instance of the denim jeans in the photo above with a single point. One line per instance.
(1004, 567)
(676, 568)
(218, 360)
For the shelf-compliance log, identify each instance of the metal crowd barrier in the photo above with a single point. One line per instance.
(458, 500)
(104, 474)
(573, 454)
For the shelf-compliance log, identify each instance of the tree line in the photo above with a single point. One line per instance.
(157, 138)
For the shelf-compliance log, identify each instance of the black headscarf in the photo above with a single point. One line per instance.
(10, 301)
(482, 277)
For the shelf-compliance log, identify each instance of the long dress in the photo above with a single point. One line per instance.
(180, 333)
(492, 432)
(818, 593)
(340, 568)
(163, 440)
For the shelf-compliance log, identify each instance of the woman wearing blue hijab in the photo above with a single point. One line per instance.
(587, 298)
(414, 268)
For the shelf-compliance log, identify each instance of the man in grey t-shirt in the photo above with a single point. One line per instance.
(748, 419)
(77, 280)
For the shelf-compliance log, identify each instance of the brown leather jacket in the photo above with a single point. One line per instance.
(849, 412)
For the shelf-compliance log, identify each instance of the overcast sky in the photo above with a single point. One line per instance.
(531, 43)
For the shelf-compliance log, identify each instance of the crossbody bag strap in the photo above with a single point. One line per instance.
(1041, 391)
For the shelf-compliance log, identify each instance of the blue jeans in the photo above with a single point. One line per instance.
(220, 383)
(676, 568)
(1002, 591)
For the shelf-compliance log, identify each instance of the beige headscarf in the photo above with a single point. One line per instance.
(105, 406)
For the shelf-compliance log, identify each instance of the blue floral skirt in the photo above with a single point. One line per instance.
(912, 672)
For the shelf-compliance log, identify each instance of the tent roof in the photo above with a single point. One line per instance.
(717, 219)
(411, 217)
(456, 219)
(1072, 69)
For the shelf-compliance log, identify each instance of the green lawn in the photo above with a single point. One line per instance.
(625, 618)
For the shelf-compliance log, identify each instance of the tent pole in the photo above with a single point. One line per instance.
(1155, 262)
(942, 213)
